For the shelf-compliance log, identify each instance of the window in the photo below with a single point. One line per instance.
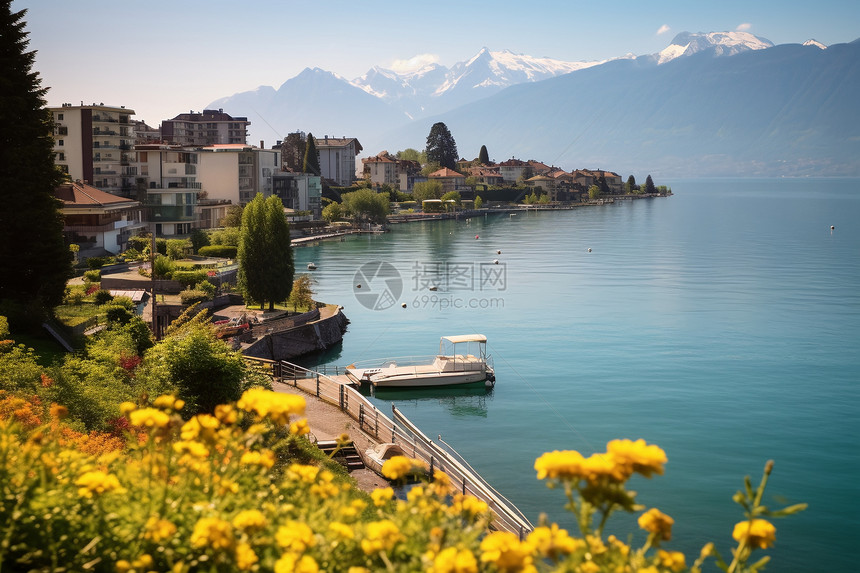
(59, 117)
(60, 142)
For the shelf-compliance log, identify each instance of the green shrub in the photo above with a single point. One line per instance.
(124, 302)
(102, 296)
(96, 262)
(206, 287)
(163, 267)
(139, 243)
(225, 236)
(117, 313)
(224, 251)
(176, 248)
(190, 296)
(93, 276)
(189, 278)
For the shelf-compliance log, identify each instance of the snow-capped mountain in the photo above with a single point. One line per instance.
(435, 88)
(721, 43)
(816, 43)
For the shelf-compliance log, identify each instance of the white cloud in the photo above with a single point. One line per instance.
(663, 29)
(743, 27)
(414, 63)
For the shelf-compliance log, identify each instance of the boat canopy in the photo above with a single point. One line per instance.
(465, 338)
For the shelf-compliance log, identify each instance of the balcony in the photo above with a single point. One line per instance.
(171, 213)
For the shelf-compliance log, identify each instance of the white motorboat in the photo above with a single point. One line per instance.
(461, 360)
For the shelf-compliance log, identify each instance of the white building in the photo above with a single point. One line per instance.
(94, 144)
(170, 177)
(337, 158)
(237, 172)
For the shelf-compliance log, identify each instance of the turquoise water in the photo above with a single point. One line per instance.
(721, 323)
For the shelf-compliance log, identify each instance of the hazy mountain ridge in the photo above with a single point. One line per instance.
(778, 110)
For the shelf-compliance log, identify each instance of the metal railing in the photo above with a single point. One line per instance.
(404, 433)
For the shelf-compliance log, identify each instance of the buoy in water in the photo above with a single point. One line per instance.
(358, 285)
(832, 227)
(495, 261)
(498, 252)
(403, 305)
(589, 249)
(476, 236)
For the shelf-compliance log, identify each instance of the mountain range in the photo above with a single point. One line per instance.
(715, 104)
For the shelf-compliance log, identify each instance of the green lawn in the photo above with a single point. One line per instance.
(47, 349)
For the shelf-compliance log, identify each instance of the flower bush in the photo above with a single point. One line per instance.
(242, 489)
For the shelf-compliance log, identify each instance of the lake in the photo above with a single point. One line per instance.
(721, 323)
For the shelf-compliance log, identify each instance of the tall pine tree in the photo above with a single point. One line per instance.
(311, 163)
(483, 156)
(34, 261)
(441, 147)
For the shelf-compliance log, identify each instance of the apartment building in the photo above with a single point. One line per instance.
(237, 172)
(337, 158)
(169, 176)
(299, 191)
(93, 219)
(94, 144)
(211, 127)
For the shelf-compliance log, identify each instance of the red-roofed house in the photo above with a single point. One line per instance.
(94, 219)
(450, 179)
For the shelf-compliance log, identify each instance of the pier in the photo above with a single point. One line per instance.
(380, 430)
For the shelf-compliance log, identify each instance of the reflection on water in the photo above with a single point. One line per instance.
(460, 401)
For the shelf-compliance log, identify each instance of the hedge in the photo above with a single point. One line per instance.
(224, 251)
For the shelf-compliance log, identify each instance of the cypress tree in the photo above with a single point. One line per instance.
(483, 156)
(265, 255)
(34, 261)
(649, 185)
(311, 163)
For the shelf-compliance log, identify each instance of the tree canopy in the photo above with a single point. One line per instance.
(34, 261)
(484, 156)
(366, 205)
(293, 151)
(441, 147)
(649, 185)
(410, 154)
(265, 255)
(311, 163)
(427, 190)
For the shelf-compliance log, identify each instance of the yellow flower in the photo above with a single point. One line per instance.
(382, 496)
(589, 567)
(250, 521)
(264, 458)
(552, 542)
(245, 557)
(381, 536)
(212, 532)
(505, 550)
(598, 467)
(303, 473)
(201, 426)
(619, 545)
(453, 560)
(565, 464)
(300, 427)
(289, 563)
(657, 522)
(358, 570)
(96, 482)
(149, 418)
(272, 405)
(398, 467)
(637, 456)
(295, 536)
(226, 414)
(194, 449)
(341, 530)
(469, 504)
(122, 566)
(673, 560)
(125, 409)
(158, 529)
(758, 534)
(168, 402)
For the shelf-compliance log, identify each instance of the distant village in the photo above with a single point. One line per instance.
(127, 178)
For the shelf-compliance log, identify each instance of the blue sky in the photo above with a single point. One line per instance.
(162, 58)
